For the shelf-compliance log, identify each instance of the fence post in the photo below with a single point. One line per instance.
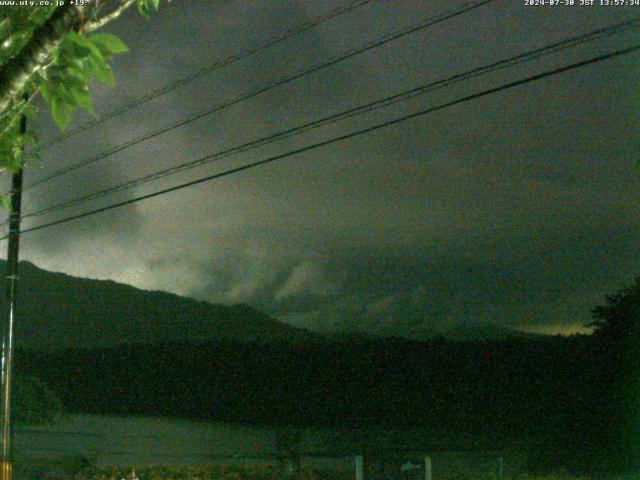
(500, 467)
(427, 468)
(359, 467)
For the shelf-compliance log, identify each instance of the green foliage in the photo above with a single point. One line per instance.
(12, 149)
(80, 468)
(33, 402)
(17, 26)
(63, 81)
(619, 318)
(79, 59)
(145, 6)
(76, 468)
(108, 44)
(63, 468)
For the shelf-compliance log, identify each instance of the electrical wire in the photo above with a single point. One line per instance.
(362, 109)
(253, 93)
(341, 138)
(270, 42)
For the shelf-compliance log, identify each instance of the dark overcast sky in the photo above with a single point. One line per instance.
(519, 208)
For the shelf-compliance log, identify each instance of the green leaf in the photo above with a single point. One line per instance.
(99, 67)
(25, 140)
(83, 98)
(78, 39)
(71, 82)
(46, 92)
(62, 92)
(143, 8)
(16, 159)
(94, 52)
(61, 112)
(108, 43)
(30, 111)
(75, 47)
(103, 71)
(81, 70)
(5, 201)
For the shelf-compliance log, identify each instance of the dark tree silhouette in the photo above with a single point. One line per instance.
(617, 373)
(34, 402)
(619, 319)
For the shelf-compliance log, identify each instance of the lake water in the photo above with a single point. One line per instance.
(144, 441)
(151, 441)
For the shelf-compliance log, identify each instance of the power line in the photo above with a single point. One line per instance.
(341, 138)
(270, 42)
(369, 107)
(253, 93)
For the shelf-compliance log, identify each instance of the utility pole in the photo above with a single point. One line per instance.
(8, 320)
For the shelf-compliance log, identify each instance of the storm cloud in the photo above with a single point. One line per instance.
(520, 208)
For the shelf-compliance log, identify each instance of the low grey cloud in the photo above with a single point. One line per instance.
(519, 208)
(307, 278)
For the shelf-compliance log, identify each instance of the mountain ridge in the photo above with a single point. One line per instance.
(56, 311)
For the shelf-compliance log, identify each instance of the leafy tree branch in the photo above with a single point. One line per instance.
(50, 50)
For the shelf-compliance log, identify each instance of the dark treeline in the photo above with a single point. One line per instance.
(565, 397)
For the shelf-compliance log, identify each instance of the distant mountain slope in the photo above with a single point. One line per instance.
(56, 311)
(487, 331)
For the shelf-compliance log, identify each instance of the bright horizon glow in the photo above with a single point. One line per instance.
(559, 329)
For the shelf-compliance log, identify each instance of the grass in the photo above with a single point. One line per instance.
(79, 468)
